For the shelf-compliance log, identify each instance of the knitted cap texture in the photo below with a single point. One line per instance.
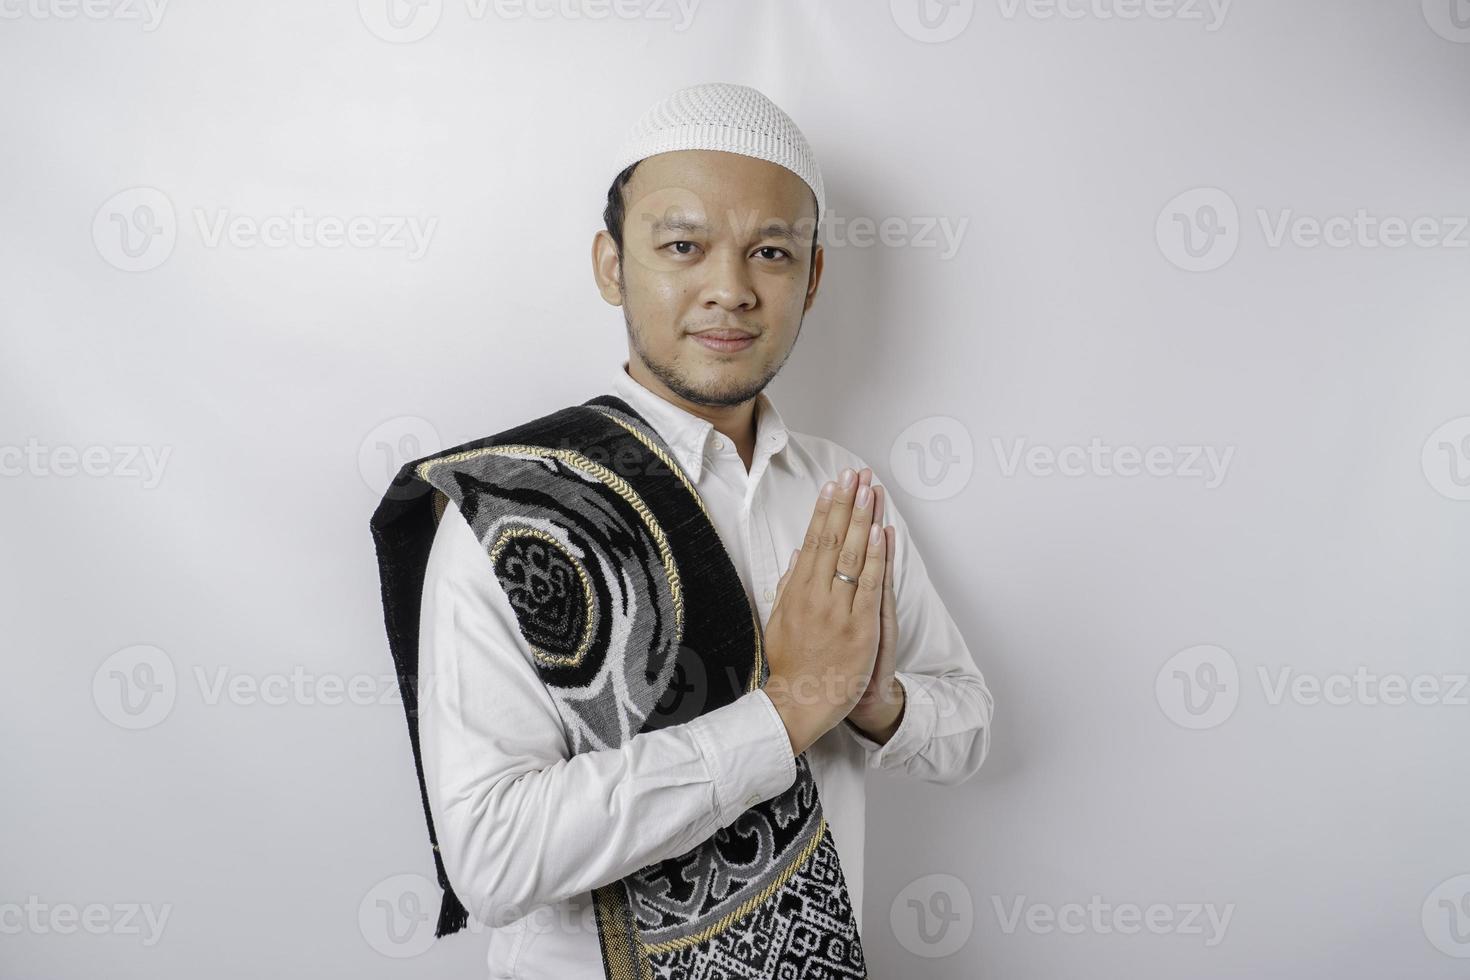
(723, 116)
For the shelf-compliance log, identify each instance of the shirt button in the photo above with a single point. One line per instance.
(719, 444)
(752, 800)
(770, 595)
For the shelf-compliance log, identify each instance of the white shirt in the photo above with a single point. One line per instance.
(527, 830)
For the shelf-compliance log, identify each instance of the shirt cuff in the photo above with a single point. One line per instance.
(748, 753)
(913, 732)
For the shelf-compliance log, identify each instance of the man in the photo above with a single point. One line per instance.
(719, 832)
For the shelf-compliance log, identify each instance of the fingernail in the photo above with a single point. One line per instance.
(862, 495)
(827, 489)
(847, 476)
(795, 554)
(873, 533)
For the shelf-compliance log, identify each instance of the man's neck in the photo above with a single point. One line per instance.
(734, 422)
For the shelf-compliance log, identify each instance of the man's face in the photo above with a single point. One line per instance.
(712, 240)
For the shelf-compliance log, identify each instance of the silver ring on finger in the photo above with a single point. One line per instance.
(845, 578)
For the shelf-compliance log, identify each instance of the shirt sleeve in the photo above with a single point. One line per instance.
(521, 821)
(944, 734)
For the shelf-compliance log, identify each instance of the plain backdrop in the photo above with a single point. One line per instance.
(195, 716)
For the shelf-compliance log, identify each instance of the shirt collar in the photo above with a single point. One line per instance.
(687, 434)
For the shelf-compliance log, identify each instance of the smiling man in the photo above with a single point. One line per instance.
(650, 645)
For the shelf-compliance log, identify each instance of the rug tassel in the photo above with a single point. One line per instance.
(452, 915)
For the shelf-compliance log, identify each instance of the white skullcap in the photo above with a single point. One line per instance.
(723, 116)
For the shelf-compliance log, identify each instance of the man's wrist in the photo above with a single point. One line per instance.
(880, 720)
(803, 725)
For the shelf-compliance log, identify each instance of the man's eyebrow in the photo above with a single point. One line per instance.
(777, 229)
(677, 223)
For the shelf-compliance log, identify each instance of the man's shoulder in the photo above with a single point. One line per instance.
(568, 427)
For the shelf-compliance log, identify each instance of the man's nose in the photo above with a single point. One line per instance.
(728, 282)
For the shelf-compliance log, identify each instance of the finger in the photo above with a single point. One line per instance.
(834, 530)
(806, 561)
(866, 600)
(850, 558)
(786, 575)
(889, 612)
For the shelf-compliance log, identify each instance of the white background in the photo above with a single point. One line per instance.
(1070, 310)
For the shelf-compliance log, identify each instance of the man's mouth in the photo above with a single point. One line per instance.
(725, 341)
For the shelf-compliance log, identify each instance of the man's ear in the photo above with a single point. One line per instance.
(607, 267)
(814, 279)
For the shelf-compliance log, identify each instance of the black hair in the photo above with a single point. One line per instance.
(613, 215)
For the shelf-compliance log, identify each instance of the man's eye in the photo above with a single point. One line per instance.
(675, 247)
(772, 248)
